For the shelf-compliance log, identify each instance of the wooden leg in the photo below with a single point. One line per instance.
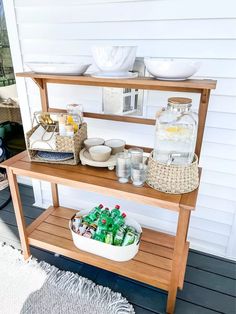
(19, 213)
(180, 240)
(55, 198)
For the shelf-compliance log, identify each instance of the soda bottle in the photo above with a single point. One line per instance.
(118, 239)
(102, 226)
(119, 221)
(129, 238)
(87, 219)
(105, 213)
(131, 228)
(115, 212)
(101, 231)
(99, 237)
(109, 238)
(95, 213)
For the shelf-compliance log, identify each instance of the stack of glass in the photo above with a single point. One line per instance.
(130, 164)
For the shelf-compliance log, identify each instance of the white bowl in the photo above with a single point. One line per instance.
(116, 145)
(58, 68)
(90, 142)
(118, 59)
(171, 69)
(100, 153)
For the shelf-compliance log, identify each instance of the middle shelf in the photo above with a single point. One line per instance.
(102, 181)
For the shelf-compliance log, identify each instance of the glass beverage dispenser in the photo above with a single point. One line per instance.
(176, 132)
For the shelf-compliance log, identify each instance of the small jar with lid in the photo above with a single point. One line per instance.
(176, 132)
(76, 113)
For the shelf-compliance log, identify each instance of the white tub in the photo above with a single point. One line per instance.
(115, 253)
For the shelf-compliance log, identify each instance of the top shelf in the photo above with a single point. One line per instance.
(146, 83)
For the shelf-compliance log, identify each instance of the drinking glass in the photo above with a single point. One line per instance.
(138, 174)
(136, 155)
(123, 166)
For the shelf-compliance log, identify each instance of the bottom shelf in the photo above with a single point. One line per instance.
(152, 265)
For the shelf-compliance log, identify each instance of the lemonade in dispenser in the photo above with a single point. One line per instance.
(176, 132)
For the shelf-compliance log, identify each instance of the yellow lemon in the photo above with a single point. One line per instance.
(75, 126)
(174, 129)
(70, 120)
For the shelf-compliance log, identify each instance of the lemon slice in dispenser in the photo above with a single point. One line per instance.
(70, 120)
(174, 129)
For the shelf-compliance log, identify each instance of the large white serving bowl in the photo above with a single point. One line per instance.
(176, 70)
(114, 59)
(58, 68)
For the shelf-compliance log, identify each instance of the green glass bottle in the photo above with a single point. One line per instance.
(105, 213)
(101, 231)
(119, 236)
(119, 221)
(109, 238)
(95, 213)
(129, 238)
(99, 237)
(102, 226)
(115, 212)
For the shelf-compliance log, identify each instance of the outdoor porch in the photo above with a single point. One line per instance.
(210, 282)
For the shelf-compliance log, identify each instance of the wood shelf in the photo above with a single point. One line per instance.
(162, 258)
(147, 83)
(152, 265)
(100, 180)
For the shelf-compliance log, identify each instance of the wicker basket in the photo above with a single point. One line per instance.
(64, 144)
(10, 113)
(174, 179)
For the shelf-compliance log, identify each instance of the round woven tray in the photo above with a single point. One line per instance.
(174, 179)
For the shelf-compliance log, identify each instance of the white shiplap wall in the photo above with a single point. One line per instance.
(65, 30)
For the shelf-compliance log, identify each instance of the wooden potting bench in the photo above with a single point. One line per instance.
(162, 257)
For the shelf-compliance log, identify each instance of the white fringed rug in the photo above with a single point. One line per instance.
(39, 288)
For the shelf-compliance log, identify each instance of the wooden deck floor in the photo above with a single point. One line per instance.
(210, 281)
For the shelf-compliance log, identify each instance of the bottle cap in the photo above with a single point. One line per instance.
(106, 208)
(100, 206)
(123, 215)
(104, 221)
(117, 207)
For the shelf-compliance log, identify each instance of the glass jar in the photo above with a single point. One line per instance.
(176, 132)
(76, 112)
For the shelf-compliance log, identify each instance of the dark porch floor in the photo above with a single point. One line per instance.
(210, 281)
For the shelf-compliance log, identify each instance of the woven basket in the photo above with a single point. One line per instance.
(10, 113)
(64, 144)
(174, 179)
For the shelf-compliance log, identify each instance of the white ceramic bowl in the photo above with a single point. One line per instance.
(171, 69)
(100, 153)
(116, 145)
(58, 68)
(118, 59)
(90, 142)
